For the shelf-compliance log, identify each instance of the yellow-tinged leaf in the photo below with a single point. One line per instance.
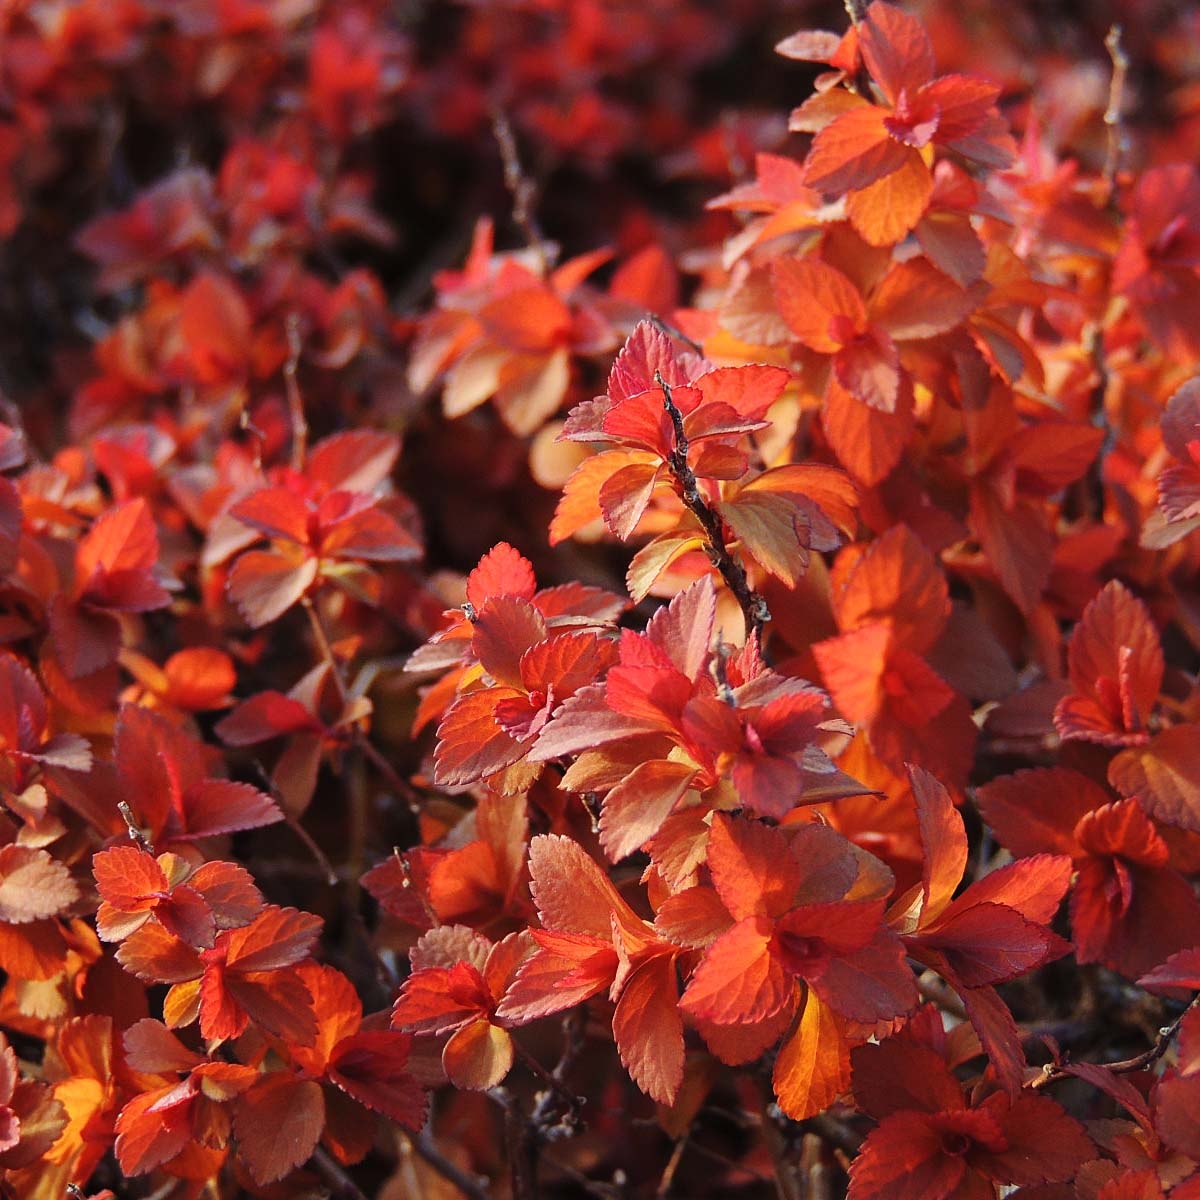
(474, 378)
(478, 1056)
(532, 389)
(770, 529)
(654, 558)
(813, 1066)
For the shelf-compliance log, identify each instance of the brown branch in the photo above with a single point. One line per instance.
(552, 1082)
(321, 635)
(399, 784)
(668, 1176)
(1053, 1072)
(471, 1186)
(521, 1142)
(1116, 146)
(341, 1185)
(294, 399)
(137, 834)
(783, 1159)
(293, 823)
(523, 190)
(754, 608)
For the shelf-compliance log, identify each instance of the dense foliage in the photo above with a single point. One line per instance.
(589, 608)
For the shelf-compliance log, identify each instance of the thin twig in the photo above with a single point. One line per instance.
(1115, 149)
(783, 1160)
(294, 399)
(938, 992)
(1052, 1072)
(856, 10)
(293, 823)
(521, 1144)
(470, 1185)
(754, 608)
(547, 1077)
(137, 834)
(668, 1176)
(321, 635)
(523, 189)
(344, 1188)
(398, 782)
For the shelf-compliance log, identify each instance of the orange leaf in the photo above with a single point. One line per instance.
(812, 296)
(853, 151)
(573, 894)
(752, 867)
(635, 809)
(648, 1028)
(740, 978)
(867, 441)
(895, 579)
(885, 212)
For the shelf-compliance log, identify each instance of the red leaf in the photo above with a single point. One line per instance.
(1036, 811)
(220, 806)
(502, 571)
(115, 561)
(1115, 663)
(277, 937)
(1164, 775)
(276, 512)
(277, 1124)
(264, 584)
(904, 1157)
(358, 460)
(370, 1067)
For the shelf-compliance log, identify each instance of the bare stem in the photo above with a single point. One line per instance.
(341, 1185)
(523, 189)
(137, 834)
(1113, 113)
(294, 399)
(754, 608)
(1052, 1072)
(469, 1185)
(319, 857)
(321, 636)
